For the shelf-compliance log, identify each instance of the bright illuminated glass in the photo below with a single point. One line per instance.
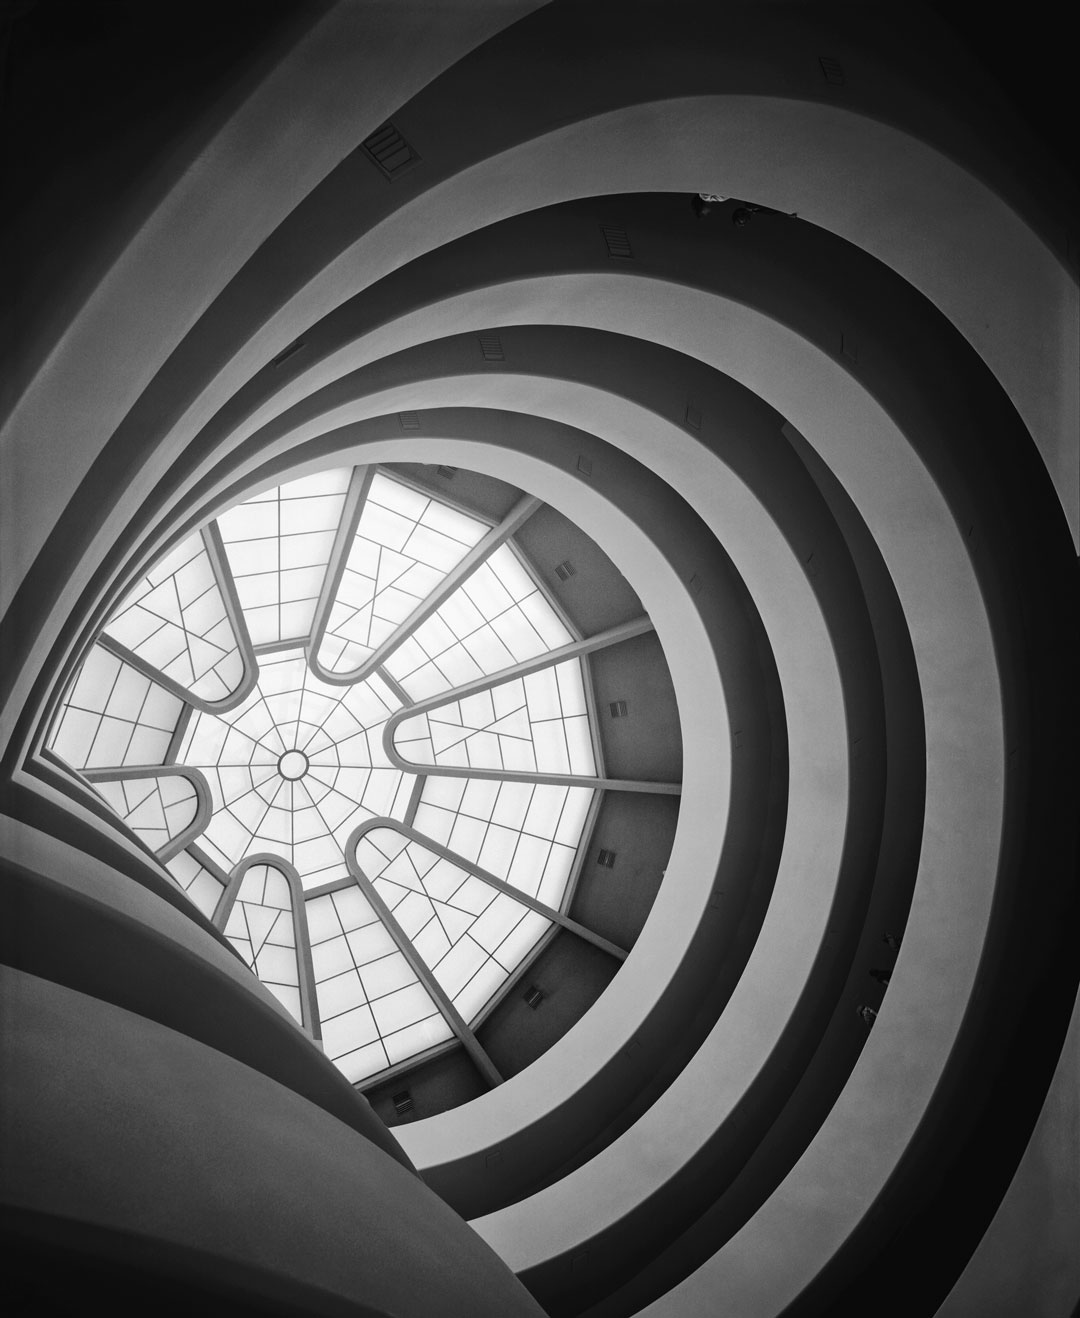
(496, 618)
(533, 724)
(404, 546)
(278, 545)
(114, 716)
(306, 820)
(373, 1008)
(157, 809)
(175, 619)
(469, 934)
(260, 927)
(299, 765)
(200, 883)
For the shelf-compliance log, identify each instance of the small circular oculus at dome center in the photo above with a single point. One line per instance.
(293, 765)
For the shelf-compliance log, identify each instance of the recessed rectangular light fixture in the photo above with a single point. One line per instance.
(606, 858)
(618, 709)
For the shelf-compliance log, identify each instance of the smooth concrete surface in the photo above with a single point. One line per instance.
(1028, 1261)
(172, 1141)
(958, 674)
(865, 407)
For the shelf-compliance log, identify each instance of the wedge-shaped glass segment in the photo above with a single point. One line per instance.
(470, 935)
(157, 809)
(113, 715)
(175, 619)
(373, 1009)
(524, 833)
(200, 883)
(278, 545)
(258, 802)
(533, 724)
(260, 927)
(496, 618)
(405, 545)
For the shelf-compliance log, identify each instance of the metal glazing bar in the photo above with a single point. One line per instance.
(423, 972)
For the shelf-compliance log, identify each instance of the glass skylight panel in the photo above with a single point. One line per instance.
(533, 724)
(157, 809)
(201, 884)
(344, 777)
(299, 764)
(405, 545)
(470, 935)
(175, 619)
(278, 545)
(260, 927)
(524, 833)
(373, 1008)
(114, 716)
(496, 618)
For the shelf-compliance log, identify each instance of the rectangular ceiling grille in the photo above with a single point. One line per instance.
(389, 152)
(584, 465)
(618, 243)
(491, 347)
(693, 417)
(565, 570)
(402, 1103)
(618, 709)
(533, 996)
(447, 473)
(409, 420)
(832, 70)
(606, 859)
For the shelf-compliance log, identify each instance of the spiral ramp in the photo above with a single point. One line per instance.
(825, 424)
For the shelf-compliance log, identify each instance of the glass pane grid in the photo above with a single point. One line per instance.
(535, 724)
(113, 716)
(496, 618)
(405, 545)
(300, 763)
(278, 545)
(469, 935)
(260, 927)
(175, 619)
(158, 810)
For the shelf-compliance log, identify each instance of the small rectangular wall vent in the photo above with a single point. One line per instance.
(389, 152)
(491, 347)
(409, 420)
(832, 70)
(618, 709)
(618, 243)
(533, 996)
(693, 417)
(565, 570)
(584, 465)
(402, 1102)
(447, 473)
(606, 859)
(290, 351)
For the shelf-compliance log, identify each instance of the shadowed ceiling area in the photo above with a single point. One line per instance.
(539, 617)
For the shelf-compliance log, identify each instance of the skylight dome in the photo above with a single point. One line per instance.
(353, 724)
